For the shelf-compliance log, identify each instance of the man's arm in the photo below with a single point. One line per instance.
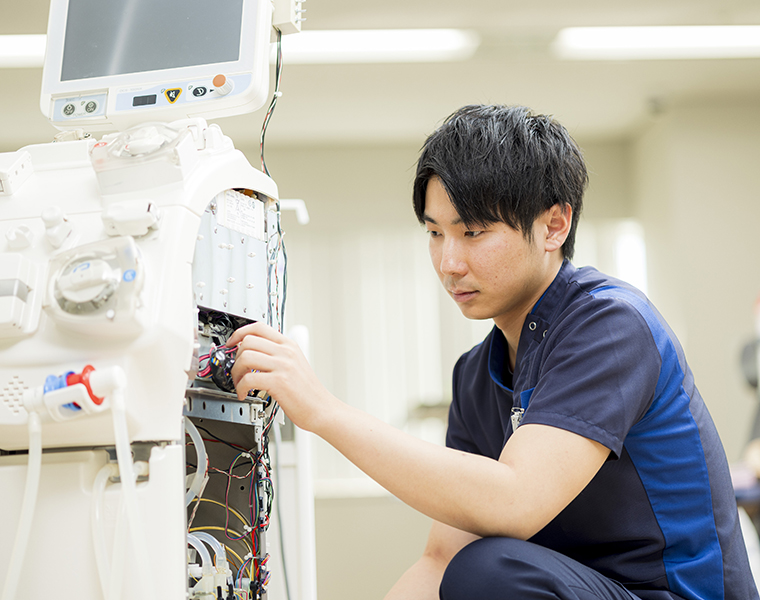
(422, 580)
(540, 471)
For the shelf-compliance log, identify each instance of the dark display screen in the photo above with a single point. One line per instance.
(144, 100)
(115, 37)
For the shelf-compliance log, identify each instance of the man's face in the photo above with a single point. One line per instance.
(491, 272)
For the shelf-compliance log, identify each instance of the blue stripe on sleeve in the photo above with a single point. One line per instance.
(666, 450)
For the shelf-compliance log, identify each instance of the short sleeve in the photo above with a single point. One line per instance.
(598, 373)
(458, 435)
(479, 412)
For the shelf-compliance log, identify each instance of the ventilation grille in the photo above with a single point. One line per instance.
(12, 394)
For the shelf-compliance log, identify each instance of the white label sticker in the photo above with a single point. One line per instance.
(242, 214)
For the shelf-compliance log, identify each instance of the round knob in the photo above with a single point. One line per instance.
(222, 84)
(85, 284)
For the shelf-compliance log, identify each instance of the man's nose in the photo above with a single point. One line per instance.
(452, 259)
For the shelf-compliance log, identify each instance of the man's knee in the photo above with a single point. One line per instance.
(509, 569)
(485, 568)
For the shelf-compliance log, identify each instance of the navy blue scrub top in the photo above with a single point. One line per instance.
(597, 359)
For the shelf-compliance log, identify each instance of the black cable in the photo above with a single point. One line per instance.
(284, 272)
(218, 439)
(275, 96)
(264, 455)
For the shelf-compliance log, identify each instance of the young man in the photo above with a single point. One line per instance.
(581, 461)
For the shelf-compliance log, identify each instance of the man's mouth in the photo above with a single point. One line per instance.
(462, 295)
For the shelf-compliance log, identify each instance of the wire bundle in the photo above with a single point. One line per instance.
(257, 465)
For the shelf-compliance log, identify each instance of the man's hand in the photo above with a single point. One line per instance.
(267, 360)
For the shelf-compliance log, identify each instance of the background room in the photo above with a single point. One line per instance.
(672, 142)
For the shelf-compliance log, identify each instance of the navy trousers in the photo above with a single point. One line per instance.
(509, 569)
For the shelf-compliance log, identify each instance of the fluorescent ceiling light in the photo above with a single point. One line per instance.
(646, 43)
(22, 51)
(379, 46)
(312, 47)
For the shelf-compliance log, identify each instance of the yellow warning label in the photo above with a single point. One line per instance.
(173, 94)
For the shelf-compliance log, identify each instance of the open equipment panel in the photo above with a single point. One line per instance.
(237, 274)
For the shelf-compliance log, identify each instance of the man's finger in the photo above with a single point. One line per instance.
(259, 329)
(256, 343)
(251, 381)
(250, 360)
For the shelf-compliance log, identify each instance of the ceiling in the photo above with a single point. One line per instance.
(400, 103)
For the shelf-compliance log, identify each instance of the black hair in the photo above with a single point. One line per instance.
(503, 163)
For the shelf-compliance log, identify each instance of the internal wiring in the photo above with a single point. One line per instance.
(255, 466)
(241, 571)
(217, 528)
(205, 371)
(232, 475)
(227, 529)
(261, 501)
(252, 474)
(256, 461)
(282, 292)
(220, 440)
(275, 97)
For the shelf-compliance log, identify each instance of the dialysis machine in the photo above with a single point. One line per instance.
(128, 467)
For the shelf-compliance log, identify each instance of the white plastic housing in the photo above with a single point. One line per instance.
(150, 333)
(61, 527)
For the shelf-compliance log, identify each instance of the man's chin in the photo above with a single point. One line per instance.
(472, 313)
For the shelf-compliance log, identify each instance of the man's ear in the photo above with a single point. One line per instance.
(557, 220)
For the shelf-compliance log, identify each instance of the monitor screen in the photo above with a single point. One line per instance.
(116, 37)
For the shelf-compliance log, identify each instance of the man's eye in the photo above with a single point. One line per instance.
(472, 233)
(433, 233)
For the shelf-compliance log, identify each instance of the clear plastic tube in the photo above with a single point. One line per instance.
(219, 549)
(200, 473)
(207, 565)
(97, 526)
(27, 508)
(129, 489)
(116, 580)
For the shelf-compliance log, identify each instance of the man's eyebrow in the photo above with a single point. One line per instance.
(432, 221)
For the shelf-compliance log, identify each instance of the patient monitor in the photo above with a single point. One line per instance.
(117, 64)
(128, 467)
